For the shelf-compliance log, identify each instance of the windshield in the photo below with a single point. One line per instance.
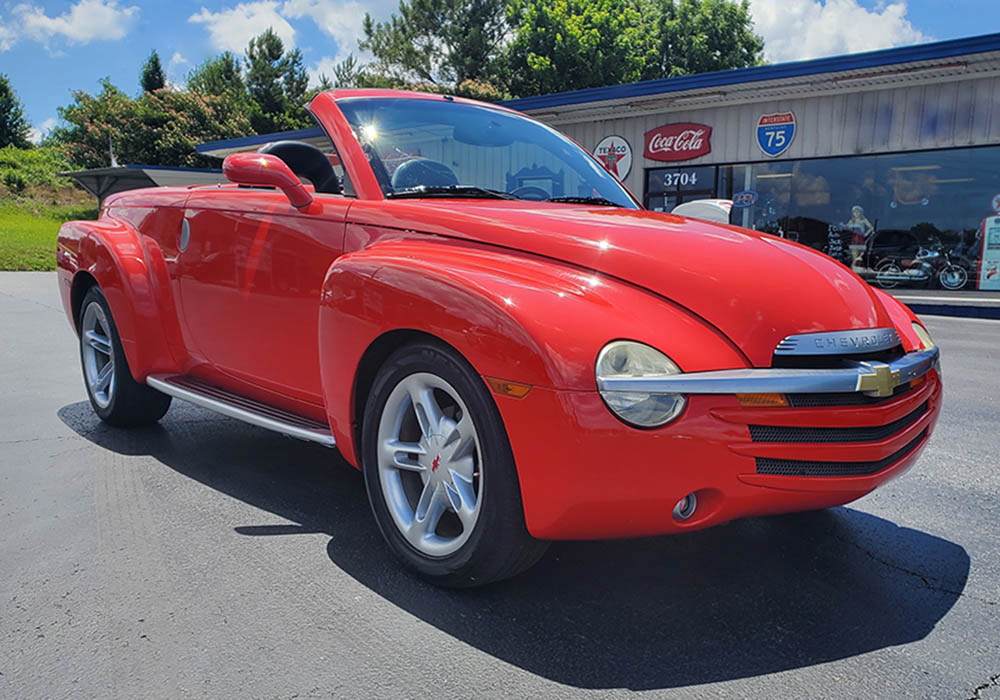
(420, 147)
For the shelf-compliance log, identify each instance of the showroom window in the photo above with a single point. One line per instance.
(868, 209)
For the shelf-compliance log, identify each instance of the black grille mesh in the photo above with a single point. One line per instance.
(852, 398)
(795, 467)
(775, 433)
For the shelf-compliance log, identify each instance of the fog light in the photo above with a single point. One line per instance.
(685, 507)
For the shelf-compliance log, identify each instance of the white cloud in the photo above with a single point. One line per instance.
(323, 67)
(799, 29)
(37, 133)
(85, 21)
(232, 29)
(340, 19)
(8, 37)
(176, 61)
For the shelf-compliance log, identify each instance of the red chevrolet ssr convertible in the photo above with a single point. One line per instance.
(484, 321)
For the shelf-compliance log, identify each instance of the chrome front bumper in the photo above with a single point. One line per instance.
(872, 378)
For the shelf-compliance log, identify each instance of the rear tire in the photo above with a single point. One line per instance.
(115, 396)
(440, 473)
(886, 274)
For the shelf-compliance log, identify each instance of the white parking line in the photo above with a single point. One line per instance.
(951, 299)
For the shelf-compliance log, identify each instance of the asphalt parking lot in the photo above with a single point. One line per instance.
(205, 558)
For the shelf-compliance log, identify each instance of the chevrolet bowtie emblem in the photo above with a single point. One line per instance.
(880, 381)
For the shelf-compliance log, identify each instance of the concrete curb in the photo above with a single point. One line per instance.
(965, 311)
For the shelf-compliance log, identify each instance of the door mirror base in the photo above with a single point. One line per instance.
(268, 170)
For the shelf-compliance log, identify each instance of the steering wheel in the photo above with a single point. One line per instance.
(531, 193)
(423, 171)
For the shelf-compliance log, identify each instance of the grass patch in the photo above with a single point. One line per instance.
(28, 232)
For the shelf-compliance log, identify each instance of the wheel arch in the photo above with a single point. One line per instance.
(109, 254)
(82, 282)
(511, 316)
(374, 357)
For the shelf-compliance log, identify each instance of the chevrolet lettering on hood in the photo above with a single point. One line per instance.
(487, 324)
(832, 343)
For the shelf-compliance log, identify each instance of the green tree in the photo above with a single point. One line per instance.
(13, 124)
(442, 42)
(158, 128)
(152, 77)
(277, 84)
(572, 44)
(220, 75)
(697, 36)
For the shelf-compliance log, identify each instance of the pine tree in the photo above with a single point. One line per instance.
(13, 125)
(152, 78)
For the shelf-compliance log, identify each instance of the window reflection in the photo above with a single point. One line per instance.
(867, 210)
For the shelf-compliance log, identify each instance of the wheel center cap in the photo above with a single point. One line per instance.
(433, 458)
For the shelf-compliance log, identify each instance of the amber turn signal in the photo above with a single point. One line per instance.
(762, 400)
(505, 388)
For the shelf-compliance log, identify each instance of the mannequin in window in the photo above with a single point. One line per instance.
(861, 228)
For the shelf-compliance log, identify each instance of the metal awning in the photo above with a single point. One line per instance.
(102, 182)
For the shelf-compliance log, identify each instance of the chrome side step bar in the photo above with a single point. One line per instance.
(241, 408)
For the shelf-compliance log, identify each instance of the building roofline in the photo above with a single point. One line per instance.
(121, 169)
(778, 71)
(259, 140)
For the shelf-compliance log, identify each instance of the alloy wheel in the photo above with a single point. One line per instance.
(429, 464)
(98, 355)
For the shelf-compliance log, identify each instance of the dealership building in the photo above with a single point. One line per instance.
(865, 156)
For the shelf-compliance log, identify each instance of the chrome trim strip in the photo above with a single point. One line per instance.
(161, 383)
(772, 381)
(839, 342)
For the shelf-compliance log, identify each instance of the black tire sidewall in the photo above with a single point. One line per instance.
(131, 403)
(501, 513)
(96, 296)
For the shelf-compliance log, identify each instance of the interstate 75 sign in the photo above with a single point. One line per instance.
(775, 132)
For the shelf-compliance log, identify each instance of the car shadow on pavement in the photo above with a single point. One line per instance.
(751, 597)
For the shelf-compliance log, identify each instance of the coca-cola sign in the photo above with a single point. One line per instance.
(673, 142)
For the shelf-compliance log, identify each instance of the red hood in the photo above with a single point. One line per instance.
(754, 287)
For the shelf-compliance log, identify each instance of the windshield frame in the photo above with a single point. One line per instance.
(325, 107)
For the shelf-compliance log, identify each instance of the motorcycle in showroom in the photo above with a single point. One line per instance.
(930, 263)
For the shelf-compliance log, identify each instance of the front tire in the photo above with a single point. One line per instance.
(440, 473)
(115, 396)
(953, 277)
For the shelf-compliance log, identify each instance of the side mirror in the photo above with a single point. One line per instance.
(265, 169)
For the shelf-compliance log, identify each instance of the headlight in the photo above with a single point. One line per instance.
(626, 358)
(925, 337)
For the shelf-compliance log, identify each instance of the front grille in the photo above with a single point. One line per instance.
(795, 467)
(851, 398)
(835, 361)
(776, 433)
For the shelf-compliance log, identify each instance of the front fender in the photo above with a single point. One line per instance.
(512, 316)
(110, 251)
(902, 318)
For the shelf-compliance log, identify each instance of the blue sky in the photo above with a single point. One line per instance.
(49, 49)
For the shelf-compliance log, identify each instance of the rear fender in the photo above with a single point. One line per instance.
(515, 317)
(110, 251)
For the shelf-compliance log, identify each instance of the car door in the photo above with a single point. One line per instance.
(250, 281)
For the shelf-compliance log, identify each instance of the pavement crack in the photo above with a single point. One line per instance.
(915, 574)
(977, 691)
(44, 438)
(31, 301)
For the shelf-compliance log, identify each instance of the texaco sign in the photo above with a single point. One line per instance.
(615, 155)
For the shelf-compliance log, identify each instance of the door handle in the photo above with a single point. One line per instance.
(185, 236)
